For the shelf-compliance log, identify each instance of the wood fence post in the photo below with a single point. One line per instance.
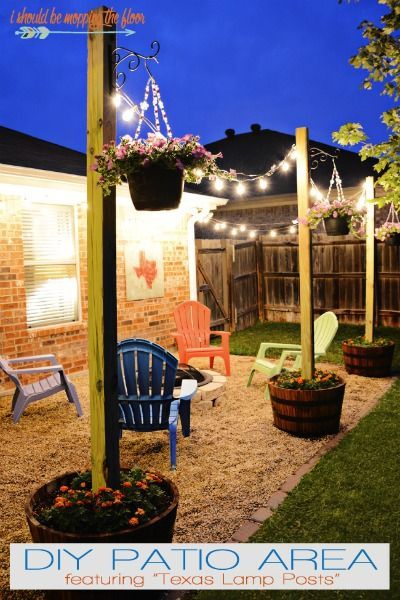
(230, 257)
(370, 261)
(305, 255)
(101, 258)
(260, 279)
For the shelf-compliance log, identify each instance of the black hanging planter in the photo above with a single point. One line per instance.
(156, 188)
(393, 240)
(336, 226)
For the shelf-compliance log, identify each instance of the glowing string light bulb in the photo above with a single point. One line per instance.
(292, 229)
(117, 99)
(128, 115)
(285, 166)
(234, 231)
(242, 228)
(223, 225)
(241, 188)
(263, 183)
(219, 184)
(252, 234)
(293, 154)
(272, 233)
(217, 226)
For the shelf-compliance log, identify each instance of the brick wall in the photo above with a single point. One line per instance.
(151, 319)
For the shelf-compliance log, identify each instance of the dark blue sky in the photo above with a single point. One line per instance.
(280, 63)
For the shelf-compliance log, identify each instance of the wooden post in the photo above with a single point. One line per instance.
(305, 255)
(370, 261)
(260, 278)
(101, 258)
(230, 259)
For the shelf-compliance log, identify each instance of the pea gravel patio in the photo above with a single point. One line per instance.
(233, 461)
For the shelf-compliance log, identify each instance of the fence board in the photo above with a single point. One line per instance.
(262, 280)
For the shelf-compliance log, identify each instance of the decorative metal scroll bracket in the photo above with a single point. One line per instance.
(317, 155)
(122, 54)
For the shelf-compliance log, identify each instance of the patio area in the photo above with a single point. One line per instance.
(232, 462)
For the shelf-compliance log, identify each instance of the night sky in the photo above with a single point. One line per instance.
(223, 64)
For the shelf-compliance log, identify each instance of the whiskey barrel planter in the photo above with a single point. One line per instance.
(368, 361)
(336, 226)
(156, 188)
(307, 413)
(159, 529)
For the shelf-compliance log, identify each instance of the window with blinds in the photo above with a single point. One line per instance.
(50, 261)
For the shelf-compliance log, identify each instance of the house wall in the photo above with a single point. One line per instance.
(151, 318)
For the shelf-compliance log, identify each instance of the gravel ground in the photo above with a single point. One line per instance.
(232, 462)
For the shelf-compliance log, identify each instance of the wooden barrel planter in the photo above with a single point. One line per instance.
(368, 361)
(159, 529)
(307, 413)
(156, 188)
(336, 226)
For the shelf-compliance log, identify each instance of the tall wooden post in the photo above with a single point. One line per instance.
(101, 257)
(305, 255)
(370, 261)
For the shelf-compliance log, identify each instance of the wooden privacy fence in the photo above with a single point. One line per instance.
(246, 281)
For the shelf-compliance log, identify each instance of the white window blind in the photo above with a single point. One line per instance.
(51, 285)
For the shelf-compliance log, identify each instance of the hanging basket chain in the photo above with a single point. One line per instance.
(393, 215)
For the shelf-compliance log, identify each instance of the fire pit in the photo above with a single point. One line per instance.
(187, 372)
(210, 384)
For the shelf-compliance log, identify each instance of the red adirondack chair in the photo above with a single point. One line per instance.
(192, 321)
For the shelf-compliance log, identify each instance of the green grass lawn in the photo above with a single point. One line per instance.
(247, 342)
(352, 495)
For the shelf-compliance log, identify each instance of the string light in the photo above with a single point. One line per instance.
(223, 225)
(234, 231)
(292, 229)
(285, 166)
(117, 100)
(217, 226)
(272, 233)
(219, 184)
(252, 234)
(241, 188)
(128, 114)
(293, 154)
(242, 228)
(263, 184)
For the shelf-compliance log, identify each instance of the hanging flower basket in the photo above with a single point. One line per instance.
(340, 216)
(393, 239)
(156, 188)
(336, 226)
(389, 232)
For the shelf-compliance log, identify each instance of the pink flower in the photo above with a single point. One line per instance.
(110, 165)
(334, 214)
(120, 152)
(94, 166)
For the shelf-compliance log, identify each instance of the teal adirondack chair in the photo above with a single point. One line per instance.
(325, 328)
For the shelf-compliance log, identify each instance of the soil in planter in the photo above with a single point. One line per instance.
(338, 226)
(368, 361)
(307, 413)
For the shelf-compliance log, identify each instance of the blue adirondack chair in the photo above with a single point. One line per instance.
(146, 377)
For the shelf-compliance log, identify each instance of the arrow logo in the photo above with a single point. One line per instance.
(41, 33)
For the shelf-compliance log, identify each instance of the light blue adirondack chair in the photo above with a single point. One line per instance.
(146, 378)
(56, 381)
(325, 328)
